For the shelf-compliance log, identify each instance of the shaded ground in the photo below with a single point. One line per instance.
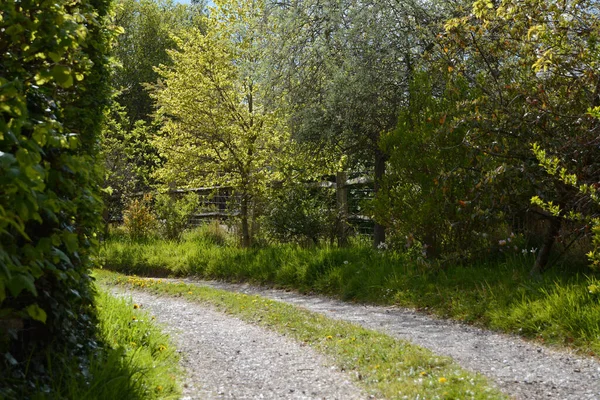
(520, 368)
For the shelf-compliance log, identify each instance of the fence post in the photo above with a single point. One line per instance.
(341, 191)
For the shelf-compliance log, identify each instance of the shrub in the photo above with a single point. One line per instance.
(301, 215)
(138, 220)
(49, 202)
(174, 214)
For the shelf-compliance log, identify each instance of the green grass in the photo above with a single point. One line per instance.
(136, 361)
(557, 309)
(384, 366)
(143, 351)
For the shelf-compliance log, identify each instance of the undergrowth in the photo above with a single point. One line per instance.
(558, 308)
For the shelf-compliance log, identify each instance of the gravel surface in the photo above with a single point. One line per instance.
(520, 368)
(226, 358)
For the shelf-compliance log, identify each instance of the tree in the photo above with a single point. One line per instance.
(216, 130)
(344, 69)
(147, 29)
(532, 71)
(147, 35)
(53, 88)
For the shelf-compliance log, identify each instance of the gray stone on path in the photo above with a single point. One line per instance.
(226, 358)
(522, 369)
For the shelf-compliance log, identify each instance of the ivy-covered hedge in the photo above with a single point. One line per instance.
(53, 88)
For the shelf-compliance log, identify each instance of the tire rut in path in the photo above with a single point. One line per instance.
(521, 369)
(226, 358)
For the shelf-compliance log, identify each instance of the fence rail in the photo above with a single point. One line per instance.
(217, 202)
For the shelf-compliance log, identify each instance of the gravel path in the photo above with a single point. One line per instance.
(226, 358)
(521, 369)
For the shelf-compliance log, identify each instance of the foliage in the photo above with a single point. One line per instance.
(174, 214)
(588, 213)
(146, 30)
(147, 33)
(212, 233)
(342, 71)
(129, 159)
(300, 214)
(138, 220)
(532, 71)
(387, 367)
(429, 199)
(216, 130)
(53, 88)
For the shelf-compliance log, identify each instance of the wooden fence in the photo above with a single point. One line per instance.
(218, 203)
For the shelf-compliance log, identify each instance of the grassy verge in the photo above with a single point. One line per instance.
(560, 309)
(136, 361)
(145, 353)
(383, 365)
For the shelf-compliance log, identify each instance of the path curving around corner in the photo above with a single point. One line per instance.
(522, 369)
(226, 358)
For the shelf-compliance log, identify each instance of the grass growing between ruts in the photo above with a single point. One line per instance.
(561, 308)
(383, 365)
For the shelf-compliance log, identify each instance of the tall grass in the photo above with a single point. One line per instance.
(557, 308)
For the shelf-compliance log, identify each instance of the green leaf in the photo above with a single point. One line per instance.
(42, 77)
(6, 160)
(62, 76)
(20, 282)
(71, 241)
(36, 313)
(2, 291)
(54, 56)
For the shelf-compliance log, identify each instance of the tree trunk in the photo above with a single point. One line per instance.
(245, 226)
(542, 258)
(342, 208)
(378, 229)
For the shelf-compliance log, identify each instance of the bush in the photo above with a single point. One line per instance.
(214, 233)
(138, 220)
(433, 195)
(174, 214)
(50, 210)
(298, 214)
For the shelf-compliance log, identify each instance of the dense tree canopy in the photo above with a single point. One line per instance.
(147, 30)
(461, 112)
